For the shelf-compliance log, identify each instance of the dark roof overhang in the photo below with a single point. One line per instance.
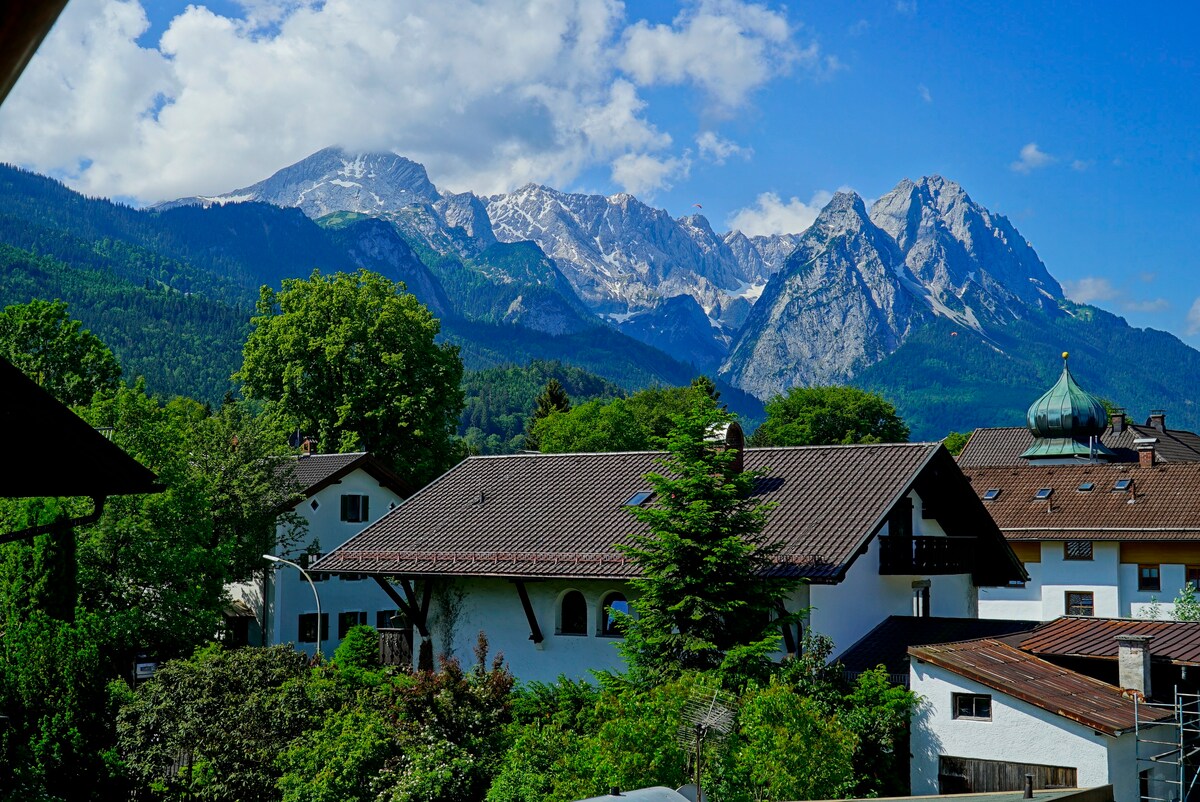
(23, 26)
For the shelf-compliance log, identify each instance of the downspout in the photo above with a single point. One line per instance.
(43, 529)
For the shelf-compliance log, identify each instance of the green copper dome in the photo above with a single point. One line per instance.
(1064, 421)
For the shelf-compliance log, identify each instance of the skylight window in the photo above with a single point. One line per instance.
(1122, 485)
(639, 498)
(991, 494)
(1043, 493)
(1087, 487)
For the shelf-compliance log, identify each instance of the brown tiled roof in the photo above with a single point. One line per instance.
(888, 643)
(1166, 501)
(1004, 445)
(315, 472)
(1059, 690)
(57, 453)
(1073, 636)
(562, 514)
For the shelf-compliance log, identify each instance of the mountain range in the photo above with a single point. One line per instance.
(925, 296)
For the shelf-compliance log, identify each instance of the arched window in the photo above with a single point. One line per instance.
(608, 623)
(572, 614)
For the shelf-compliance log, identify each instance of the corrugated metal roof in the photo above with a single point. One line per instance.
(1165, 501)
(1061, 691)
(1073, 636)
(563, 514)
(1003, 445)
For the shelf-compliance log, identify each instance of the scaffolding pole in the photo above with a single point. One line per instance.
(1172, 774)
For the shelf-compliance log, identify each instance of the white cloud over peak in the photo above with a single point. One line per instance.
(487, 96)
(726, 48)
(770, 214)
(1032, 157)
(1193, 318)
(1090, 289)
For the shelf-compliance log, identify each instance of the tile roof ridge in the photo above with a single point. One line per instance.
(916, 444)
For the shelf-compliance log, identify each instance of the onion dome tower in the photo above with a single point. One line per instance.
(1067, 422)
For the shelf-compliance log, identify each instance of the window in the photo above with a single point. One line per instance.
(1044, 493)
(354, 509)
(991, 494)
(639, 498)
(1148, 578)
(608, 624)
(316, 505)
(977, 706)
(307, 560)
(1081, 602)
(1086, 487)
(348, 620)
(1077, 550)
(1122, 485)
(390, 619)
(308, 627)
(352, 577)
(572, 614)
(1192, 576)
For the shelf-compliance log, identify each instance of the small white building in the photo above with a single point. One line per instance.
(338, 495)
(991, 713)
(523, 547)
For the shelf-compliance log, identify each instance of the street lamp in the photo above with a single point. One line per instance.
(274, 559)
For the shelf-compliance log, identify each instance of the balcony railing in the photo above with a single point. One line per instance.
(395, 648)
(926, 555)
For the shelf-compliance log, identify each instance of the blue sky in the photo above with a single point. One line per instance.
(1078, 123)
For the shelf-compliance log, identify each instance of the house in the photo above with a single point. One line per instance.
(337, 494)
(1104, 514)
(523, 547)
(1076, 702)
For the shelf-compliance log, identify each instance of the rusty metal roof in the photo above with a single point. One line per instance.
(1061, 691)
(561, 515)
(1075, 636)
(1003, 445)
(1165, 501)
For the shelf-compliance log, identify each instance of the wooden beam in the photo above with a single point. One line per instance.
(408, 604)
(789, 641)
(535, 631)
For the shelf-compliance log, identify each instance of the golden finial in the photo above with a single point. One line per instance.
(1065, 355)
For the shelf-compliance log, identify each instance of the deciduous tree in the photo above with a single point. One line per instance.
(352, 359)
(813, 416)
(54, 350)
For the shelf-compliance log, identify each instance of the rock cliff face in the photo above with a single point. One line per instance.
(819, 306)
(838, 305)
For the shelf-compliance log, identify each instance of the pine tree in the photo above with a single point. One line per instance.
(552, 399)
(705, 592)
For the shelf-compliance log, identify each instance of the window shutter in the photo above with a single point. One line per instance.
(345, 508)
(366, 500)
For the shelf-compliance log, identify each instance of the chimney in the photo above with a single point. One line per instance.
(1133, 663)
(1117, 418)
(1158, 420)
(730, 438)
(1145, 451)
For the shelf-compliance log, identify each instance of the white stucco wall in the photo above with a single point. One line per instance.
(1114, 585)
(289, 596)
(849, 610)
(1018, 732)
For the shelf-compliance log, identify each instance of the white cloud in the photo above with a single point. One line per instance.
(726, 48)
(487, 96)
(1079, 165)
(906, 7)
(1032, 157)
(771, 215)
(717, 149)
(1147, 306)
(643, 174)
(923, 91)
(1193, 318)
(1090, 289)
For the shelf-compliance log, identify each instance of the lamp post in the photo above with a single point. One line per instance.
(274, 559)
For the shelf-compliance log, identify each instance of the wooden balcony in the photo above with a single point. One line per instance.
(926, 556)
